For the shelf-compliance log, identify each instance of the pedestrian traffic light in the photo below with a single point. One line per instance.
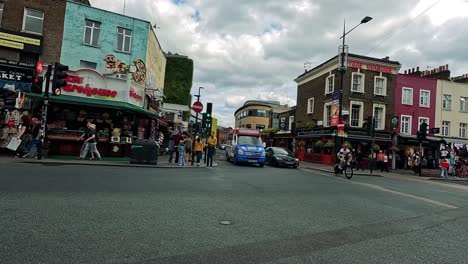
(59, 78)
(370, 126)
(36, 86)
(423, 131)
(209, 108)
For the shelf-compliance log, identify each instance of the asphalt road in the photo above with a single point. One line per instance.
(79, 214)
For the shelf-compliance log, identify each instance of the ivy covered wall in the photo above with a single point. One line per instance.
(178, 80)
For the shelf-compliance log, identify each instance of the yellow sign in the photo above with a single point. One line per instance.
(11, 44)
(21, 39)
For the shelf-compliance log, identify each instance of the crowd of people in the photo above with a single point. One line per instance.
(185, 149)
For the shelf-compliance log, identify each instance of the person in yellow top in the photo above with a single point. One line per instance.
(199, 146)
(212, 142)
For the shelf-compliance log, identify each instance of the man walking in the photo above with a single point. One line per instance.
(36, 138)
(380, 160)
(212, 142)
(385, 162)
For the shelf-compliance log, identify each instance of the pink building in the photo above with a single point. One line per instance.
(415, 102)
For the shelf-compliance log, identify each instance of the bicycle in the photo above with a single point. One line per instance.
(347, 169)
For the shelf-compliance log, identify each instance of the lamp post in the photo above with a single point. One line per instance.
(196, 126)
(342, 69)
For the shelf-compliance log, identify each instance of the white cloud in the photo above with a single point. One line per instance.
(253, 49)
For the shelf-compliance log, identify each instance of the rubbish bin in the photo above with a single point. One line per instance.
(144, 151)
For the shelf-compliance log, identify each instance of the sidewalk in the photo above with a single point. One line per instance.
(162, 162)
(427, 174)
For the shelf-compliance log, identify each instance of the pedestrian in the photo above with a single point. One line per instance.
(85, 135)
(177, 138)
(385, 162)
(380, 160)
(35, 139)
(199, 146)
(24, 134)
(416, 163)
(170, 147)
(91, 143)
(181, 151)
(188, 148)
(212, 142)
(444, 166)
(359, 157)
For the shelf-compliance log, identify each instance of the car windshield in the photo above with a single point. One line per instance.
(250, 140)
(281, 151)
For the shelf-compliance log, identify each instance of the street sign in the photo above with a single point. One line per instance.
(435, 130)
(197, 106)
(340, 126)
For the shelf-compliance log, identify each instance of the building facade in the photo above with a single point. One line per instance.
(415, 102)
(259, 114)
(368, 90)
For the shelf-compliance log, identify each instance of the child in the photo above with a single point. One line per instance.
(444, 165)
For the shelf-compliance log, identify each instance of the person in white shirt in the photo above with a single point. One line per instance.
(344, 151)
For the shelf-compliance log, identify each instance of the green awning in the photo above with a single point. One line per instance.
(67, 99)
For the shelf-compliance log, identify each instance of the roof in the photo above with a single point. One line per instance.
(384, 60)
(272, 104)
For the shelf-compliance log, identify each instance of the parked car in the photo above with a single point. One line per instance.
(276, 156)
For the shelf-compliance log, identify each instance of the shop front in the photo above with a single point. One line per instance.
(114, 105)
(457, 147)
(409, 145)
(15, 81)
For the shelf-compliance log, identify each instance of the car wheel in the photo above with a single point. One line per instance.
(262, 165)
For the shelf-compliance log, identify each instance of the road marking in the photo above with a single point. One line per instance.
(383, 189)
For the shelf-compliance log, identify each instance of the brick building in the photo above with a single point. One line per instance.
(32, 30)
(368, 90)
(259, 114)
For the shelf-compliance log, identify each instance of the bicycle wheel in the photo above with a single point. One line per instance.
(348, 172)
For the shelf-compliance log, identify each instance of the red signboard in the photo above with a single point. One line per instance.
(75, 84)
(197, 106)
(369, 66)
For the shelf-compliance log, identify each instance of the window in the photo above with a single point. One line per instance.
(379, 116)
(424, 98)
(91, 32)
(445, 128)
(330, 84)
(358, 82)
(462, 132)
(407, 96)
(405, 127)
(33, 21)
(124, 39)
(291, 121)
(262, 113)
(248, 125)
(310, 105)
(424, 120)
(326, 114)
(1, 12)
(447, 102)
(356, 113)
(88, 64)
(258, 127)
(380, 85)
(464, 104)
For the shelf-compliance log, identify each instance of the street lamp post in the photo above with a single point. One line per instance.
(196, 126)
(342, 67)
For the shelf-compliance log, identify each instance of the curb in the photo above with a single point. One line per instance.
(332, 172)
(58, 163)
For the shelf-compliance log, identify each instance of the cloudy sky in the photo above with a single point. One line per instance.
(253, 49)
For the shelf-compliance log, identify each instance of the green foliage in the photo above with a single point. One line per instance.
(329, 144)
(375, 148)
(178, 80)
(319, 143)
(269, 130)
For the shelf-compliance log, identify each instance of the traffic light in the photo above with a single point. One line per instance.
(37, 85)
(209, 108)
(423, 131)
(370, 126)
(204, 120)
(59, 78)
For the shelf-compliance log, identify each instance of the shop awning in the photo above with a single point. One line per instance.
(66, 99)
(455, 140)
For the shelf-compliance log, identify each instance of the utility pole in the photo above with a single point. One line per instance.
(196, 127)
(45, 108)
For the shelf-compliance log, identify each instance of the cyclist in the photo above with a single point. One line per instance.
(342, 154)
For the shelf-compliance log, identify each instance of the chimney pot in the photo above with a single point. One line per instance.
(417, 68)
(405, 71)
(412, 70)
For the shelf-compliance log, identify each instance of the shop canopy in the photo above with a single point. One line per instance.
(455, 140)
(66, 99)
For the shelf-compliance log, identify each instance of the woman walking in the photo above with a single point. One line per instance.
(24, 136)
(181, 150)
